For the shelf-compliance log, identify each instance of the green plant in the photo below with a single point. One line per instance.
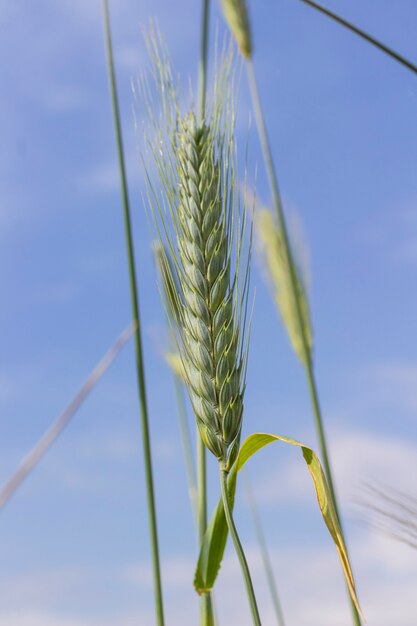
(205, 238)
(296, 314)
(140, 371)
(195, 204)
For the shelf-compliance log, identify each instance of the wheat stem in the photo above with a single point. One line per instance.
(378, 44)
(312, 386)
(238, 547)
(307, 357)
(186, 445)
(202, 73)
(136, 319)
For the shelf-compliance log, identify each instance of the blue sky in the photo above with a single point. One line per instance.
(74, 541)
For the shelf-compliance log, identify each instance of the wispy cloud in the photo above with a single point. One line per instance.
(391, 384)
(387, 579)
(393, 233)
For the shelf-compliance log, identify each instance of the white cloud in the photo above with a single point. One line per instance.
(48, 618)
(386, 578)
(105, 178)
(393, 232)
(393, 382)
(66, 99)
(55, 293)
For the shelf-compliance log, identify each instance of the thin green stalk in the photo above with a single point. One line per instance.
(269, 163)
(238, 547)
(206, 606)
(202, 73)
(47, 440)
(264, 553)
(186, 445)
(206, 603)
(312, 387)
(340, 20)
(136, 318)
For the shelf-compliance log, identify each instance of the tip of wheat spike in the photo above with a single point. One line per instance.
(237, 18)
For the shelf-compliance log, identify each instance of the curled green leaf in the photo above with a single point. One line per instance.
(214, 543)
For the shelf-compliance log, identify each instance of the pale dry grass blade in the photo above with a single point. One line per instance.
(51, 435)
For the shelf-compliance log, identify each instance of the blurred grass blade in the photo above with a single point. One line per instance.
(391, 512)
(354, 29)
(51, 435)
(269, 572)
(215, 540)
(136, 317)
(272, 249)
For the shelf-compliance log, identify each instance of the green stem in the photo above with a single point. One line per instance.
(202, 72)
(363, 34)
(264, 553)
(136, 318)
(206, 606)
(312, 386)
(307, 360)
(238, 547)
(198, 505)
(186, 446)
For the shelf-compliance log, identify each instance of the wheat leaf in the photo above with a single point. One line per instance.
(214, 544)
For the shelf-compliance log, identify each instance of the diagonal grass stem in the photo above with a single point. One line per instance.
(361, 33)
(37, 453)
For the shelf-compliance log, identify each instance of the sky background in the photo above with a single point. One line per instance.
(342, 118)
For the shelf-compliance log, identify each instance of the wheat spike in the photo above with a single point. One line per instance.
(198, 218)
(272, 249)
(237, 18)
(211, 346)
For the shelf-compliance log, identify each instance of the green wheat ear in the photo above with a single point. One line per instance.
(271, 247)
(195, 204)
(237, 18)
